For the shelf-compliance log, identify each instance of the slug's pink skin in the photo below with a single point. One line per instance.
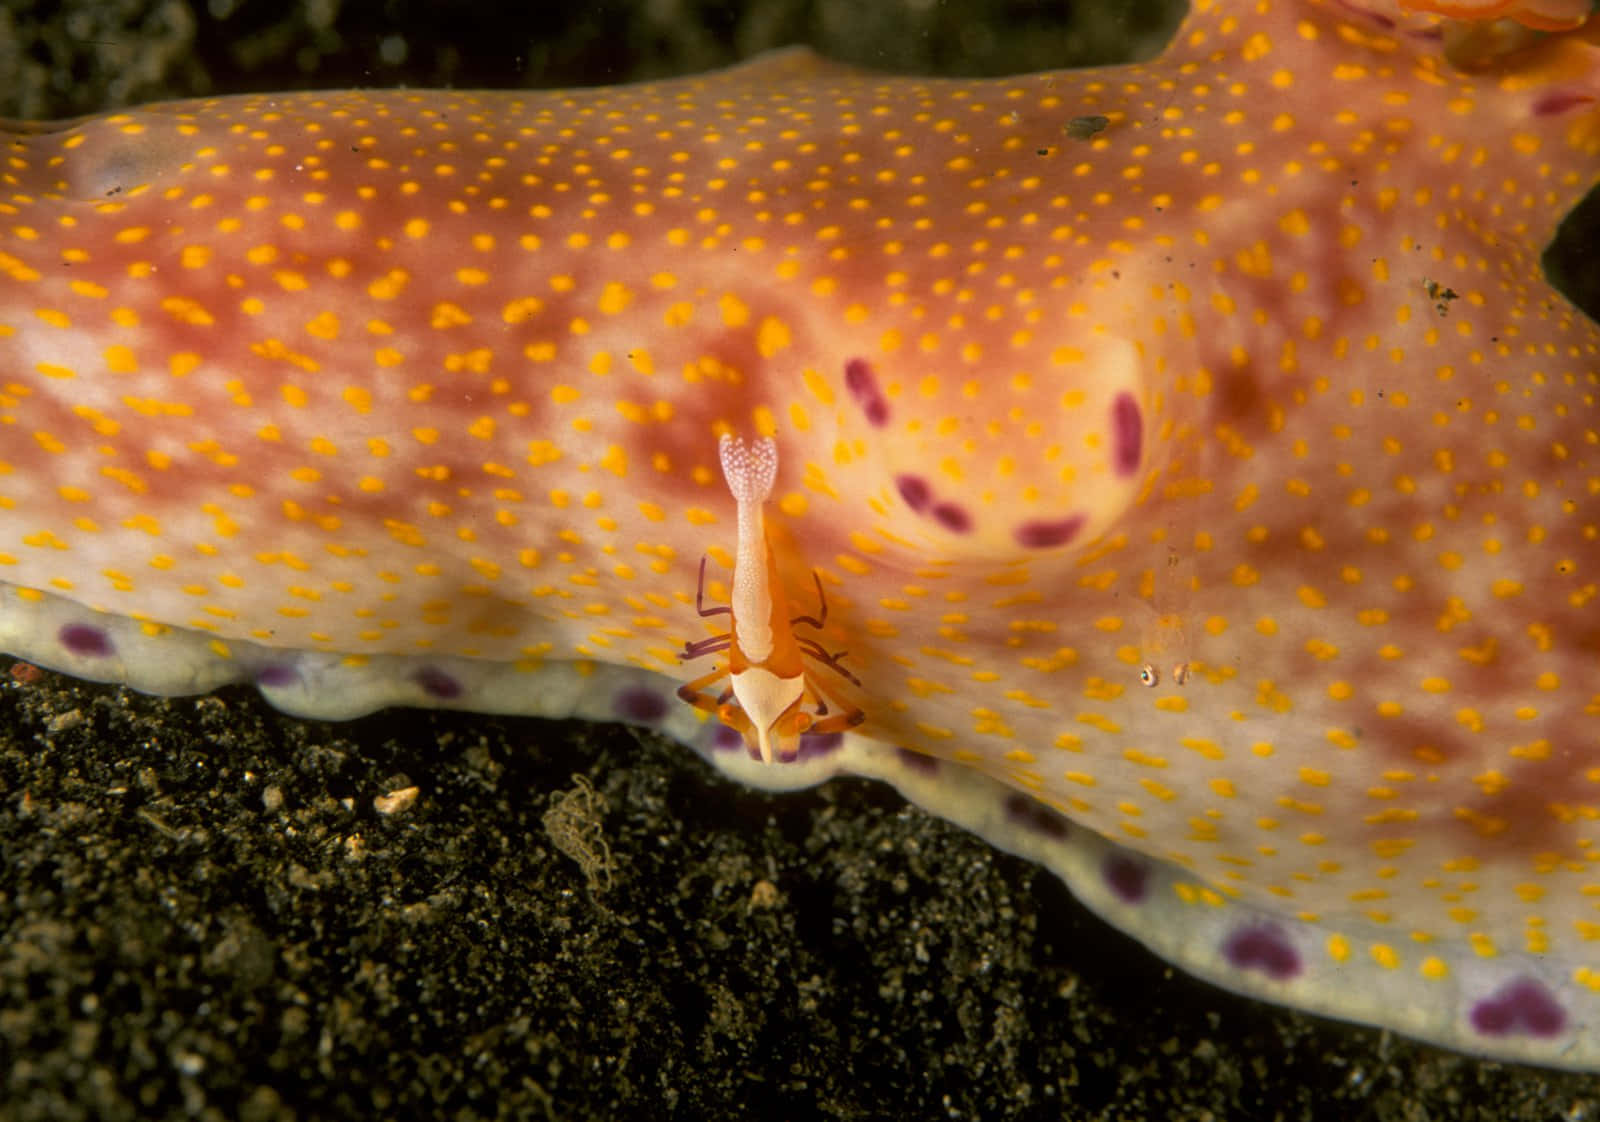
(1202, 474)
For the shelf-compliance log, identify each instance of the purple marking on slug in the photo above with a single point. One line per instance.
(811, 748)
(1126, 876)
(1552, 104)
(914, 490)
(437, 683)
(1523, 1007)
(917, 762)
(640, 706)
(1378, 18)
(1264, 948)
(1047, 535)
(918, 496)
(863, 386)
(85, 641)
(1388, 23)
(952, 517)
(815, 747)
(1127, 434)
(276, 676)
(725, 739)
(1035, 816)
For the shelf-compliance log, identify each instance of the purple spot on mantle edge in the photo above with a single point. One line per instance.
(1128, 877)
(438, 683)
(1035, 816)
(277, 675)
(917, 762)
(725, 739)
(1264, 948)
(914, 490)
(1127, 434)
(1521, 1007)
(815, 747)
(85, 640)
(862, 383)
(640, 705)
(1046, 535)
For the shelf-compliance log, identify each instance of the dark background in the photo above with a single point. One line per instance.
(205, 916)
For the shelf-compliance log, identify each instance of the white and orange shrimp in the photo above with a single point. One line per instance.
(770, 698)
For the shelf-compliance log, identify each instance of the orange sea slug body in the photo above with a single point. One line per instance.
(1192, 456)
